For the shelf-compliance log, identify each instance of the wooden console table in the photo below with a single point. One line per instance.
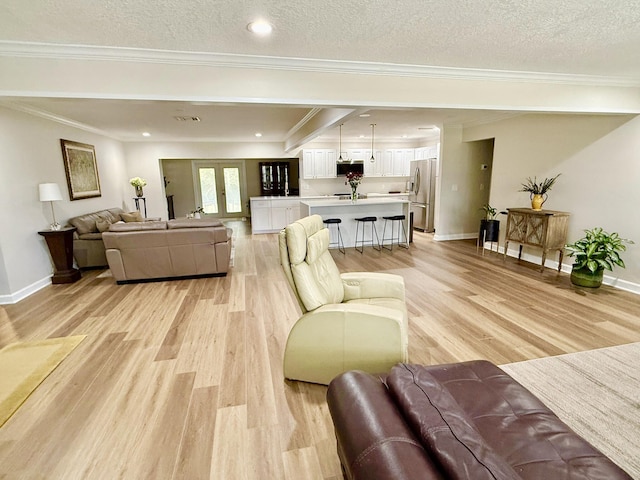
(60, 243)
(545, 229)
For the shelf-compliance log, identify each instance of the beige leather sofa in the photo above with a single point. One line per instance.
(350, 321)
(162, 250)
(88, 247)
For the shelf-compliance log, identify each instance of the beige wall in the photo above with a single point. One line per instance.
(599, 159)
(31, 154)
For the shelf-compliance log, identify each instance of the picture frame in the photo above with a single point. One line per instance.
(81, 169)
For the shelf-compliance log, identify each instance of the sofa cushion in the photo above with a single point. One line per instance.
(87, 223)
(137, 226)
(132, 217)
(103, 225)
(193, 223)
(91, 236)
(447, 433)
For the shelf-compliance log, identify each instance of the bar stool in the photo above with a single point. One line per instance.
(338, 243)
(393, 219)
(362, 221)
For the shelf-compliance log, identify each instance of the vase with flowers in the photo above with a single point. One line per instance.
(138, 183)
(353, 179)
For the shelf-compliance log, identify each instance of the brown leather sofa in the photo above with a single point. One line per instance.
(466, 420)
(161, 250)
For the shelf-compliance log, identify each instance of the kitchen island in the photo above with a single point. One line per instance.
(348, 212)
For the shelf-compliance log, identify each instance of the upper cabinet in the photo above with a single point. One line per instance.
(392, 162)
(319, 163)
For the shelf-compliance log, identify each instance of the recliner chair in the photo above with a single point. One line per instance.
(350, 321)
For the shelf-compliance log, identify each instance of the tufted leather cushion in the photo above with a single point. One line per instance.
(473, 420)
(316, 276)
(445, 429)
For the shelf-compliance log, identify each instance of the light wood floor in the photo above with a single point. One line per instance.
(183, 379)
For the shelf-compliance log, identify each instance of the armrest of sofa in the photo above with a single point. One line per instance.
(335, 338)
(373, 439)
(372, 285)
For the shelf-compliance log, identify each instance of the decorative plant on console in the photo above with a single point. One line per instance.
(595, 252)
(138, 183)
(538, 190)
(353, 179)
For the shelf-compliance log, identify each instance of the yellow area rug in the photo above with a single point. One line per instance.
(24, 365)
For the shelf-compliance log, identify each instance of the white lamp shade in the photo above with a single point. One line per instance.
(49, 192)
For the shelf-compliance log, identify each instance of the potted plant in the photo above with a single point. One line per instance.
(538, 190)
(595, 252)
(489, 226)
(197, 212)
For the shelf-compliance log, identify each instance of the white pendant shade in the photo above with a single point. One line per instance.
(49, 192)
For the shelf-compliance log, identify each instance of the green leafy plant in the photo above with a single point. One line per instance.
(198, 210)
(538, 188)
(598, 250)
(489, 212)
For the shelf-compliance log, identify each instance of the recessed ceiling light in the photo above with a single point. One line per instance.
(362, 136)
(258, 134)
(365, 115)
(146, 134)
(405, 136)
(260, 27)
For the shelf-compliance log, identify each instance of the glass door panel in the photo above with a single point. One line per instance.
(233, 199)
(208, 189)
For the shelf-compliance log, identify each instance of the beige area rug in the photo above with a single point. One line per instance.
(596, 393)
(24, 365)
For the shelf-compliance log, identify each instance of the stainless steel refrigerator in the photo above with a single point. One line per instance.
(423, 193)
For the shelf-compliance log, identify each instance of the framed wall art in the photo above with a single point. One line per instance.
(81, 169)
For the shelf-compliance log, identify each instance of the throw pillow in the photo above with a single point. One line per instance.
(103, 225)
(132, 217)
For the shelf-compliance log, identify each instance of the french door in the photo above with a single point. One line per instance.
(220, 187)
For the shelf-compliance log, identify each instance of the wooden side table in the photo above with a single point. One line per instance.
(545, 229)
(60, 243)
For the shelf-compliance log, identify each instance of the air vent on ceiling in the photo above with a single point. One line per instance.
(187, 119)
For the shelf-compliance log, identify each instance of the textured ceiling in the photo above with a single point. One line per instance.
(596, 37)
(579, 37)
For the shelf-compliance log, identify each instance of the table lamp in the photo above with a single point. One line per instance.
(50, 192)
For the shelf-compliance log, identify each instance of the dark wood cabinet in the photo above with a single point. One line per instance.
(545, 229)
(274, 178)
(60, 243)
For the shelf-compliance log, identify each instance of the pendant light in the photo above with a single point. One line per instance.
(340, 147)
(373, 126)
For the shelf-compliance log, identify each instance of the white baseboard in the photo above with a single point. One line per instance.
(25, 292)
(553, 264)
(455, 236)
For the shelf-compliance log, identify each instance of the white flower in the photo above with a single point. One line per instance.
(137, 182)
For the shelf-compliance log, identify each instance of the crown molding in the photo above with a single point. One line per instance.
(37, 112)
(125, 54)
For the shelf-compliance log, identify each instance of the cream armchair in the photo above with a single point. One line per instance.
(350, 321)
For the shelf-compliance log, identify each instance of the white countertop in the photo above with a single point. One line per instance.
(332, 202)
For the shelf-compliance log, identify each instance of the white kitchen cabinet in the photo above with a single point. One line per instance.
(260, 215)
(373, 169)
(319, 163)
(284, 212)
(396, 162)
(269, 215)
